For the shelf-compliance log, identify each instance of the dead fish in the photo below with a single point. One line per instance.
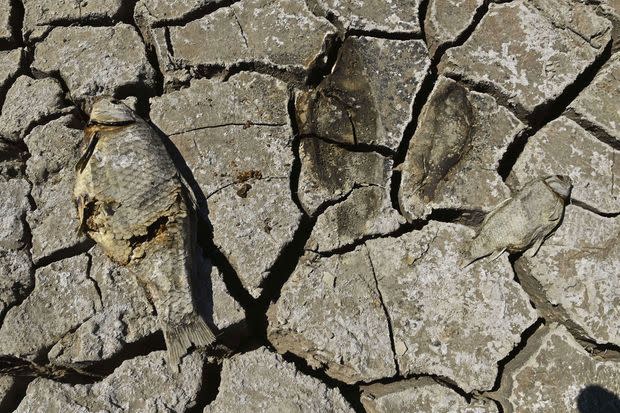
(132, 201)
(523, 221)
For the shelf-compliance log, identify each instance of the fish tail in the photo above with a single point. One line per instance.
(180, 337)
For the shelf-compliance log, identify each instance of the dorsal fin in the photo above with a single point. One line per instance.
(81, 163)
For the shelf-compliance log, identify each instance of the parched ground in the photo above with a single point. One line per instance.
(330, 269)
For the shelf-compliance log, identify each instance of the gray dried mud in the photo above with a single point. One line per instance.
(342, 155)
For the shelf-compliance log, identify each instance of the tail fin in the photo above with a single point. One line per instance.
(180, 337)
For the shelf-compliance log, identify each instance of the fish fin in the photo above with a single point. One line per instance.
(83, 205)
(81, 163)
(497, 254)
(534, 248)
(180, 337)
(464, 262)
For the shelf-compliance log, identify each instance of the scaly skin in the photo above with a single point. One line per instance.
(523, 221)
(132, 202)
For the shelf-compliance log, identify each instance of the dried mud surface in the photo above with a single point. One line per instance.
(343, 153)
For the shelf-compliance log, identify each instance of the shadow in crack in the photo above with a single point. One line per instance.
(597, 399)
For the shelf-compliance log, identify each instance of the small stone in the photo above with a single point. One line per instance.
(142, 385)
(425, 394)
(367, 98)
(28, 103)
(447, 20)
(236, 140)
(10, 63)
(54, 150)
(563, 147)
(458, 329)
(341, 327)
(555, 374)
(40, 15)
(366, 212)
(7, 13)
(452, 159)
(261, 381)
(530, 51)
(400, 16)
(400, 348)
(330, 172)
(96, 60)
(576, 274)
(261, 31)
(596, 105)
(63, 298)
(16, 280)
(14, 205)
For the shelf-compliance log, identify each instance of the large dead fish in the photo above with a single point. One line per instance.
(523, 221)
(133, 203)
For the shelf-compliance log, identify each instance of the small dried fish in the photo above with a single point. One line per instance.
(523, 221)
(132, 201)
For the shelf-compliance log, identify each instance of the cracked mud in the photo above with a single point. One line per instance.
(343, 154)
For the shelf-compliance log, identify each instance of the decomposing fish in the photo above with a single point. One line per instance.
(523, 221)
(132, 201)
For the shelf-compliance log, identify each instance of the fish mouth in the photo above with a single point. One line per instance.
(93, 122)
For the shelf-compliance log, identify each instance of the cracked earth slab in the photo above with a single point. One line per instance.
(452, 159)
(366, 212)
(165, 11)
(42, 15)
(28, 103)
(446, 20)
(237, 141)
(143, 384)
(96, 60)
(424, 393)
(554, 373)
(329, 172)
(54, 150)
(63, 298)
(10, 63)
(576, 275)
(458, 329)
(124, 316)
(400, 16)
(14, 204)
(596, 106)
(269, 383)
(366, 99)
(6, 29)
(16, 281)
(529, 51)
(350, 339)
(15, 263)
(563, 147)
(263, 31)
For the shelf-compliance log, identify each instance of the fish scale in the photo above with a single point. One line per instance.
(132, 202)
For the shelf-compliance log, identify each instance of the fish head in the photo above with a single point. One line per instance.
(109, 111)
(560, 184)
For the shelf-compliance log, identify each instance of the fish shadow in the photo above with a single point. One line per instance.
(208, 255)
(597, 399)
